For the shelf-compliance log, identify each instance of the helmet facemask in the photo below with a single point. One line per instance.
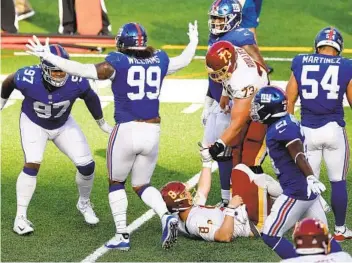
(217, 27)
(220, 75)
(53, 75)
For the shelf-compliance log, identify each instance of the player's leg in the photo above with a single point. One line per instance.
(147, 144)
(284, 214)
(33, 139)
(72, 142)
(336, 155)
(314, 147)
(120, 156)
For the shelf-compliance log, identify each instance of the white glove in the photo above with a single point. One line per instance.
(193, 32)
(2, 103)
(314, 185)
(205, 155)
(35, 48)
(104, 126)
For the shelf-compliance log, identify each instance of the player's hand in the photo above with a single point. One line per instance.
(235, 201)
(35, 48)
(314, 186)
(193, 32)
(205, 155)
(217, 148)
(104, 126)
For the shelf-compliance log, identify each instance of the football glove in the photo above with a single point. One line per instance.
(205, 155)
(104, 126)
(193, 32)
(220, 152)
(35, 48)
(314, 186)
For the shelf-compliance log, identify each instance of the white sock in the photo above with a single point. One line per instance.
(225, 194)
(118, 204)
(25, 188)
(152, 198)
(84, 184)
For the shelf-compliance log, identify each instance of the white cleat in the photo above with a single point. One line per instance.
(342, 233)
(170, 231)
(22, 226)
(86, 209)
(120, 242)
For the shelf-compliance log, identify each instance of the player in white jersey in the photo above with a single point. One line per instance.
(210, 223)
(312, 243)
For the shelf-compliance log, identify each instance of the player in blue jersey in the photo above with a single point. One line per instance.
(284, 142)
(321, 80)
(137, 72)
(225, 17)
(49, 95)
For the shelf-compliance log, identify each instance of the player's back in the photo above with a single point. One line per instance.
(136, 85)
(292, 180)
(333, 257)
(48, 109)
(322, 81)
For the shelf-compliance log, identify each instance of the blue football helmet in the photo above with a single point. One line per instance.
(52, 74)
(230, 11)
(132, 36)
(329, 36)
(269, 102)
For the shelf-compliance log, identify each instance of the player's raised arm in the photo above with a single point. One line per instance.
(99, 71)
(181, 61)
(7, 87)
(292, 94)
(254, 52)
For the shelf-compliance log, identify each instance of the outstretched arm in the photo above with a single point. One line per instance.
(7, 87)
(181, 61)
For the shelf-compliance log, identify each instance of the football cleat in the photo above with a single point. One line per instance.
(170, 231)
(86, 209)
(342, 233)
(119, 241)
(22, 226)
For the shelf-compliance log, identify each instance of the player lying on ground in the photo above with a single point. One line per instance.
(137, 72)
(312, 243)
(321, 80)
(49, 95)
(284, 141)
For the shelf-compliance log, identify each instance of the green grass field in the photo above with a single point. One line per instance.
(60, 232)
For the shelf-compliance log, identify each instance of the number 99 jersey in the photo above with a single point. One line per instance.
(136, 85)
(50, 110)
(322, 81)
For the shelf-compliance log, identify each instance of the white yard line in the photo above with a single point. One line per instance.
(192, 108)
(104, 104)
(141, 220)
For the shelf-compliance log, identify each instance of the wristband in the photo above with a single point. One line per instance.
(206, 164)
(229, 211)
(100, 122)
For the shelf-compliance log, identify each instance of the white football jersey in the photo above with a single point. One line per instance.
(247, 78)
(333, 257)
(203, 221)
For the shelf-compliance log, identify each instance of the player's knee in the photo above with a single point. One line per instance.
(140, 189)
(271, 241)
(31, 168)
(87, 169)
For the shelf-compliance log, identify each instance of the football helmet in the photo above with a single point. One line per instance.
(224, 15)
(52, 74)
(311, 236)
(221, 61)
(176, 196)
(132, 36)
(329, 36)
(269, 102)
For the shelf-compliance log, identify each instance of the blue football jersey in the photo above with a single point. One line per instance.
(322, 82)
(238, 37)
(49, 110)
(136, 85)
(292, 180)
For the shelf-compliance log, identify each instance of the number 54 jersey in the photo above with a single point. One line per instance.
(322, 81)
(136, 85)
(49, 110)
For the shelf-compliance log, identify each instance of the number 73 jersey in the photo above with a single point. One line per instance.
(322, 82)
(50, 110)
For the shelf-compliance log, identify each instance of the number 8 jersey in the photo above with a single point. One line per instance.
(322, 81)
(136, 85)
(48, 109)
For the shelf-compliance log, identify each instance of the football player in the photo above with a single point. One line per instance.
(284, 141)
(321, 80)
(225, 17)
(137, 72)
(312, 243)
(49, 95)
(221, 224)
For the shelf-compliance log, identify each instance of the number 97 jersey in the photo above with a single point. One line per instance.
(136, 85)
(322, 81)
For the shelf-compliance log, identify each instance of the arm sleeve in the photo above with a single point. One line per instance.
(288, 133)
(92, 102)
(181, 61)
(73, 67)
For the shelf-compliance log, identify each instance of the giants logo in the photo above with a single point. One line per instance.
(225, 55)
